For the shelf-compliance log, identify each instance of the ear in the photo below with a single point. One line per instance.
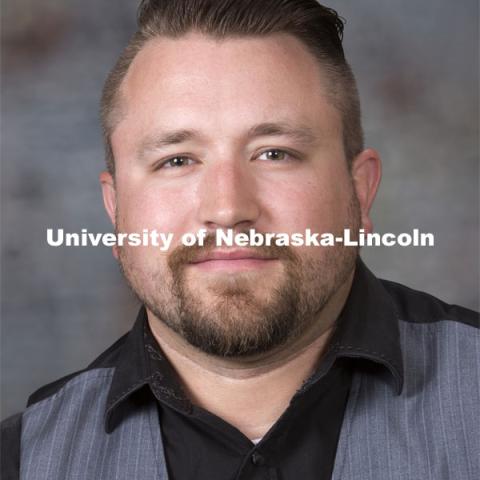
(109, 194)
(109, 199)
(366, 174)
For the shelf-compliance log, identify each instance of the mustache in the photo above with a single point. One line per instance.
(183, 255)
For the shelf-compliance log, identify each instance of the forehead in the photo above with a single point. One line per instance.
(223, 84)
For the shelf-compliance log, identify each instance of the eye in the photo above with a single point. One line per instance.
(274, 154)
(176, 162)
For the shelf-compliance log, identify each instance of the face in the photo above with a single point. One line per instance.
(234, 134)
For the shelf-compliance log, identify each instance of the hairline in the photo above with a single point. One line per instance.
(117, 110)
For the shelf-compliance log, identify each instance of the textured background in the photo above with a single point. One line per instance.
(417, 69)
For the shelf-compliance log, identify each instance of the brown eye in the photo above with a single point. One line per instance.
(177, 162)
(273, 155)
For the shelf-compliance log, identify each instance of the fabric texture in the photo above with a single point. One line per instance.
(417, 419)
(63, 437)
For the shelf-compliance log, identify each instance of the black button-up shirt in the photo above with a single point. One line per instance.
(303, 441)
(200, 445)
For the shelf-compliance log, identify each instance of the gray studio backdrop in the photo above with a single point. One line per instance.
(417, 67)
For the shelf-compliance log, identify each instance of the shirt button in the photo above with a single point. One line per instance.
(258, 459)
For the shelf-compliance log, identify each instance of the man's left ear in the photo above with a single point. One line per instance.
(366, 174)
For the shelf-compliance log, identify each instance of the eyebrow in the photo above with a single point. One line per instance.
(300, 133)
(161, 140)
(165, 139)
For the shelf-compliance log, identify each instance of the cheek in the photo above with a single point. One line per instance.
(150, 207)
(310, 202)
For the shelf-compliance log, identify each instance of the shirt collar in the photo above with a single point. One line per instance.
(142, 366)
(367, 328)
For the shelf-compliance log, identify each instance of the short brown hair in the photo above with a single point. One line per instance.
(319, 28)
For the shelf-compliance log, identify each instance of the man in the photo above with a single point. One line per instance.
(253, 362)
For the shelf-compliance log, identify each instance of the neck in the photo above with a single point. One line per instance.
(234, 389)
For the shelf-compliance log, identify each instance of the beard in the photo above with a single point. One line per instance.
(242, 315)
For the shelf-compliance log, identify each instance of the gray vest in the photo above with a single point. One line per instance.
(430, 431)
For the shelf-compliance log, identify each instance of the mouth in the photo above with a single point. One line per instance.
(232, 260)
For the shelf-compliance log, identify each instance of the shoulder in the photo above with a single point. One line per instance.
(46, 404)
(434, 335)
(414, 306)
(58, 408)
(440, 344)
(106, 361)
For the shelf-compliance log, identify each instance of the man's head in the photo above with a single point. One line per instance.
(319, 29)
(236, 115)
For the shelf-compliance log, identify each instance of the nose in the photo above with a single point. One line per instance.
(228, 197)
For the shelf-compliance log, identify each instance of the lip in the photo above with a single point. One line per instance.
(230, 255)
(232, 260)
